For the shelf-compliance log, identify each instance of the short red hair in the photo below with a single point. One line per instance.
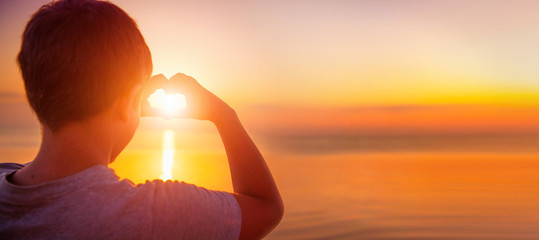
(77, 57)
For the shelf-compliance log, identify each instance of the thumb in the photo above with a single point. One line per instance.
(182, 113)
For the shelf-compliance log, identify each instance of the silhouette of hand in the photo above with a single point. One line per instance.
(156, 82)
(201, 103)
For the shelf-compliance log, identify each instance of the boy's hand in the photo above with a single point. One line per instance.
(255, 190)
(201, 103)
(156, 82)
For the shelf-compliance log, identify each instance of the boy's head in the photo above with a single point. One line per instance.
(78, 57)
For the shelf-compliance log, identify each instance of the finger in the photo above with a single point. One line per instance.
(155, 82)
(146, 110)
(154, 112)
(183, 83)
(159, 78)
(182, 114)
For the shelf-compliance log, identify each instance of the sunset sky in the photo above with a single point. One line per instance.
(332, 55)
(382, 119)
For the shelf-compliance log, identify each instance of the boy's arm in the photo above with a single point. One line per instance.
(256, 192)
(254, 187)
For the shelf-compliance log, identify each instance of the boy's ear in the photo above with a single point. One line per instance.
(124, 103)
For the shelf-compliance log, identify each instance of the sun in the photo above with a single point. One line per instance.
(169, 103)
(168, 154)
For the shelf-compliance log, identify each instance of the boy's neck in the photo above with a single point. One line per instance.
(65, 152)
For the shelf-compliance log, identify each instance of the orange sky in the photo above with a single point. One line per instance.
(335, 55)
(397, 120)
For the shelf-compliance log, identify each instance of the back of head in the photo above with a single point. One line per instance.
(77, 57)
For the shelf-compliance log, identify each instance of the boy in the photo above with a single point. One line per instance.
(86, 67)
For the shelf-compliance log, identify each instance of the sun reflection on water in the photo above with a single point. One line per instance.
(168, 154)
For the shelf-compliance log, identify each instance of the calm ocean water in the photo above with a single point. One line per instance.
(409, 196)
(394, 188)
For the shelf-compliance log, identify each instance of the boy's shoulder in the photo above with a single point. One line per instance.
(8, 167)
(171, 208)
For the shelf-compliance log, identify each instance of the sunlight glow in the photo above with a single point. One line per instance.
(168, 154)
(169, 103)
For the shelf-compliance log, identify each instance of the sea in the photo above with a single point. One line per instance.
(352, 186)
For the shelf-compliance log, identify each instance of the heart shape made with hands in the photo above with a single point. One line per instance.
(161, 99)
(168, 103)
